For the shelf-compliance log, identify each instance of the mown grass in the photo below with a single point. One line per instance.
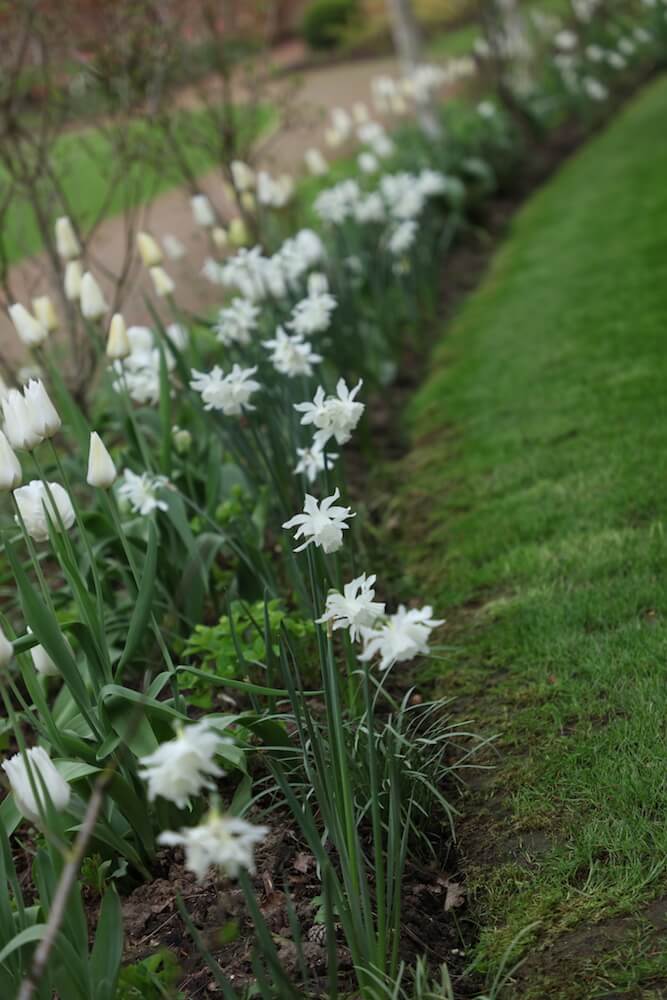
(84, 161)
(537, 501)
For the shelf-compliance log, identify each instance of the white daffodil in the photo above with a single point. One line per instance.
(30, 795)
(228, 393)
(291, 356)
(355, 608)
(237, 322)
(402, 637)
(333, 416)
(312, 314)
(311, 461)
(182, 767)
(225, 842)
(322, 523)
(315, 162)
(141, 492)
(402, 237)
(37, 506)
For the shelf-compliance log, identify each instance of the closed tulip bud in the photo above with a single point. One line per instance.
(18, 426)
(360, 113)
(149, 250)
(66, 241)
(101, 470)
(118, 342)
(6, 650)
(202, 211)
(73, 279)
(243, 175)
(162, 283)
(42, 413)
(30, 330)
(93, 303)
(248, 201)
(29, 795)
(10, 467)
(238, 234)
(220, 237)
(41, 660)
(36, 507)
(315, 162)
(173, 247)
(45, 313)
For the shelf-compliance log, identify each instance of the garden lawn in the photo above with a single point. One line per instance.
(537, 502)
(83, 160)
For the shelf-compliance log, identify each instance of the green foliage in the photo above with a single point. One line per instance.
(154, 978)
(325, 21)
(218, 646)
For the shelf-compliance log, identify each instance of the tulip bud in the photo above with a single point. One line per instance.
(182, 439)
(43, 416)
(41, 660)
(118, 342)
(238, 234)
(45, 313)
(202, 211)
(101, 470)
(162, 283)
(173, 247)
(243, 175)
(315, 162)
(93, 303)
(6, 650)
(73, 278)
(149, 250)
(37, 510)
(30, 795)
(10, 467)
(248, 201)
(360, 113)
(30, 330)
(66, 242)
(220, 237)
(18, 426)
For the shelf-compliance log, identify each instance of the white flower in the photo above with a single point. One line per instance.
(242, 175)
(101, 470)
(31, 332)
(162, 283)
(149, 250)
(368, 163)
(317, 283)
(141, 492)
(36, 508)
(355, 608)
(173, 247)
(220, 237)
(315, 162)
(321, 523)
(486, 109)
(93, 304)
(333, 416)
(229, 393)
(45, 312)
(336, 204)
(594, 53)
(594, 89)
(312, 314)
(370, 209)
(293, 355)
(432, 182)
(42, 414)
(274, 192)
(225, 842)
(566, 41)
(616, 60)
(67, 244)
(72, 280)
(44, 776)
(202, 211)
(41, 660)
(182, 767)
(10, 467)
(182, 439)
(237, 322)
(402, 637)
(403, 194)
(6, 650)
(402, 237)
(311, 461)
(18, 427)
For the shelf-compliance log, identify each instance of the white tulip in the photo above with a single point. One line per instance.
(220, 237)
(73, 279)
(10, 467)
(30, 330)
(202, 211)
(18, 426)
(66, 241)
(29, 795)
(6, 650)
(45, 313)
(238, 233)
(315, 162)
(173, 247)
(118, 342)
(43, 416)
(93, 303)
(242, 175)
(162, 283)
(41, 660)
(101, 470)
(149, 250)
(36, 508)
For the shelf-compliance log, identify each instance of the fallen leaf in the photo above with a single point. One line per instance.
(303, 863)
